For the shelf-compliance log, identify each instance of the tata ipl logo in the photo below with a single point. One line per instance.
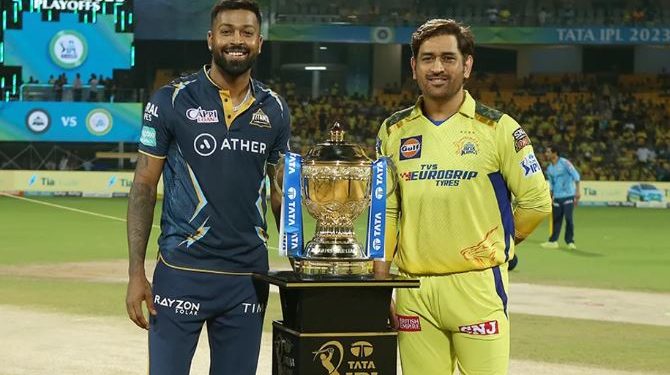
(328, 354)
(68, 49)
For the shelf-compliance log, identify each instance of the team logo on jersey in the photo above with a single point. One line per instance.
(521, 139)
(409, 323)
(410, 148)
(483, 253)
(202, 116)
(260, 119)
(466, 146)
(530, 165)
(481, 329)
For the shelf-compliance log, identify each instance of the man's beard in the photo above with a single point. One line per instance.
(236, 67)
(454, 86)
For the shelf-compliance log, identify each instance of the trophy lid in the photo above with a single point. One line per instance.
(336, 149)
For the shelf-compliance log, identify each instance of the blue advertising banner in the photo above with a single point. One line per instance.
(44, 49)
(484, 35)
(71, 122)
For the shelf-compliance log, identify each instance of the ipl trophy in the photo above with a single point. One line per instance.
(336, 181)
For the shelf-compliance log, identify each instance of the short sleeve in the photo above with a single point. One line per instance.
(156, 134)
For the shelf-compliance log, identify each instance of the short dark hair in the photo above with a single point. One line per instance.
(440, 26)
(224, 5)
(554, 149)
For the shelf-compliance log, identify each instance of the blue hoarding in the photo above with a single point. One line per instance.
(71, 122)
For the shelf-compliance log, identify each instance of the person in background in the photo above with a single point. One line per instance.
(564, 184)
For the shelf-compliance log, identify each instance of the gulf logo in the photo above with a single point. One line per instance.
(410, 148)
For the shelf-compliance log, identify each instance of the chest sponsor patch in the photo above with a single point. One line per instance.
(481, 329)
(409, 323)
(530, 165)
(410, 148)
(202, 116)
(521, 139)
(260, 119)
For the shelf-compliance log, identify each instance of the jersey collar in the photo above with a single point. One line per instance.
(467, 108)
(205, 73)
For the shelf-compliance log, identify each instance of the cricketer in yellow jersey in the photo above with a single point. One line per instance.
(450, 222)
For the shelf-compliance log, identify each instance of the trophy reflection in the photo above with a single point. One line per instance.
(335, 184)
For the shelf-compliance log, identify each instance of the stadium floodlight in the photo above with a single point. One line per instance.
(316, 67)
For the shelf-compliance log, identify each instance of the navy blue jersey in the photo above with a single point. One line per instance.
(214, 175)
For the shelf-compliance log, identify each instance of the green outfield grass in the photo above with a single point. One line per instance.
(619, 248)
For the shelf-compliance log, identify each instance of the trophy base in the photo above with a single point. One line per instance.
(333, 267)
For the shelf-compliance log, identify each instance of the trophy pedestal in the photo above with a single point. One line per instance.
(330, 267)
(334, 324)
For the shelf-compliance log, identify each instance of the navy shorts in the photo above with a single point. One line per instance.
(233, 306)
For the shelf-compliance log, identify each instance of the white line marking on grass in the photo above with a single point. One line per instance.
(68, 208)
(81, 211)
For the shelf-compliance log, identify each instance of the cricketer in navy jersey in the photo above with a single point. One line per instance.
(214, 136)
(214, 176)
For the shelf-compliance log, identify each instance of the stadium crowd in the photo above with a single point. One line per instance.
(609, 129)
(476, 12)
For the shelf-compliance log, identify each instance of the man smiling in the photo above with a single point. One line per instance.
(450, 223)
(214, 136)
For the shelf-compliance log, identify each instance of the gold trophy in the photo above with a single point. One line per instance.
(335, 187)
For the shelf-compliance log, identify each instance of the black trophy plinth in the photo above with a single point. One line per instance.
(334, 324)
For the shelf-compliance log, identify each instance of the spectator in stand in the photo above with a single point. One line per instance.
(77, 88)
(93, 88)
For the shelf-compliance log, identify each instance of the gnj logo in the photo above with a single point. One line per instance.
(410, 148)
(202, 116)
(99, 122)
(38, 121)
(292, 193)
(111, 182)
(379, 192)
(204, 144)
(32, 180)
(68, 49)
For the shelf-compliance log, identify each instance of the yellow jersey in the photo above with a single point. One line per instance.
(452, 208)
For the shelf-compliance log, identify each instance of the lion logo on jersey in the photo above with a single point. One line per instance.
(484, 252)
(466, 146)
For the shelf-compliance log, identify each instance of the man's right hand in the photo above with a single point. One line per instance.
(139, 289)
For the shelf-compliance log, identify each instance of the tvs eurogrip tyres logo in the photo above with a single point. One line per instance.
(410, 148)
(68, 49)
